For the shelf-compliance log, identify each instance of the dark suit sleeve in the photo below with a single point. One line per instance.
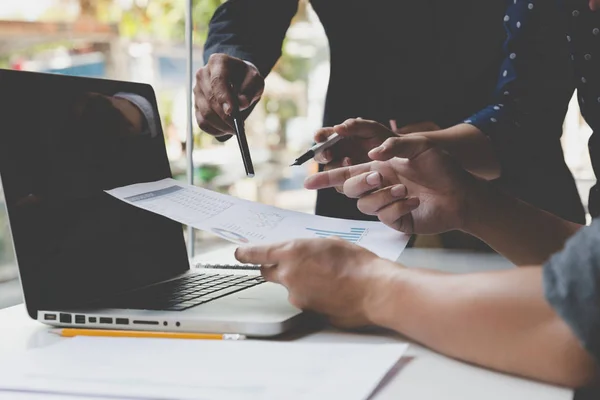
(252, 30)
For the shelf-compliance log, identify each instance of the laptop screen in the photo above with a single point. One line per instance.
(63, 141)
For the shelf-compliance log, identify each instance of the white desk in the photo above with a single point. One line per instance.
(425, 376)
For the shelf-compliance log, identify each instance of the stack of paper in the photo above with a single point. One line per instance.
(200, 370)
(246, 222)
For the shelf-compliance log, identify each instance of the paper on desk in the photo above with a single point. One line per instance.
(246, 222)
(201, 370)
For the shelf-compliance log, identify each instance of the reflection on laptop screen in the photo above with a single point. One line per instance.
(63, 141)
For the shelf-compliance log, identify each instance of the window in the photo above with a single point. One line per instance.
(144, 41)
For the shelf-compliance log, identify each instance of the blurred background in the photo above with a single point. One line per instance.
(143, 41)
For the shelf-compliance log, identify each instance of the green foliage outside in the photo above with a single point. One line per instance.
(159, 19)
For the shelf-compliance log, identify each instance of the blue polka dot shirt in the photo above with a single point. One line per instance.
(572, 276)
(582, 33)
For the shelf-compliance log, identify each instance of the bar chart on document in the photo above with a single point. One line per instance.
(353, 235)
(246, 222)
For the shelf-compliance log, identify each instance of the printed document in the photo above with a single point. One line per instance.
(200, 369)
(245, 222)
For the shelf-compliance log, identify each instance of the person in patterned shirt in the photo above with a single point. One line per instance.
(499, 141)
(540, 321)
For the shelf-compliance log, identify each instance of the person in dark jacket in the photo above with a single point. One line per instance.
(421, 64)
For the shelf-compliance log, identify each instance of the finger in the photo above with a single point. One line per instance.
(418, 127)
(404, 147)
(324, 157)
(207, 127)
(212, 109)
(322, 134)
(359, 185)
(372, 203)
(361, 128)
(332, 165)
(219, 102)
(345, 163)
(270, 273)
(218, 84)
(251, 88)
(405, 130)
(334, 177)
(393, 125)
(398, 214)
(262, 255)
(209, 121)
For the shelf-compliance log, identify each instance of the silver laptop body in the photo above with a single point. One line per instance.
(87, 260)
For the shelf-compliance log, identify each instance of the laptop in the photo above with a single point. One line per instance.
(88, 260)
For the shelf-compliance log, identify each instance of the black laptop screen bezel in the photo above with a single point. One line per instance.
(152, 250)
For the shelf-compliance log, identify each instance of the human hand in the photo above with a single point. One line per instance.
(328, 276)
(420, 127)
(415, 188)
(360, 137)
(221, 84)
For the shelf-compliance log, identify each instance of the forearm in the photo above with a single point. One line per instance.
(470, 147)
(497, 320)
(249, 30)
(522, 233)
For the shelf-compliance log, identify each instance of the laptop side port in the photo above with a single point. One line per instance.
(66, 318)
(122, 321)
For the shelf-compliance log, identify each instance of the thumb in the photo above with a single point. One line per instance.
(404, 147)
(361, 128)
(418, 127)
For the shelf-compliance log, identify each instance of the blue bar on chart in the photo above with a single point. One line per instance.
(353, 236)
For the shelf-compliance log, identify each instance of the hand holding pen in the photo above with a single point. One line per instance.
(317, 150)
(359, 138)
(215, 97)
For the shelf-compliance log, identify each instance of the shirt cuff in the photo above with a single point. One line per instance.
(488, 119)
(497, 122)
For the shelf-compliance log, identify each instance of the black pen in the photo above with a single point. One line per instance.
(317, 148)
(240, 133)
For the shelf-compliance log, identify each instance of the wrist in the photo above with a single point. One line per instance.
(480, 199)
(383, 283)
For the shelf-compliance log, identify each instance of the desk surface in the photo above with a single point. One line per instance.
(426, 375)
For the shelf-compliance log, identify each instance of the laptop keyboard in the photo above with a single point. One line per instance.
(188, 291)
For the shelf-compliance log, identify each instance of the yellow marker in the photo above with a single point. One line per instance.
(70, 332)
